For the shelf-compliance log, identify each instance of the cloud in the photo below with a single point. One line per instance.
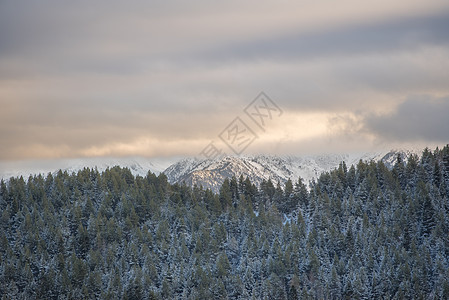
(423, 118)
(380, 37)
(115, 78)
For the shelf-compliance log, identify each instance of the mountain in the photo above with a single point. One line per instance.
(137, 165)
(210, 173)
(390, 158)
(117, 236)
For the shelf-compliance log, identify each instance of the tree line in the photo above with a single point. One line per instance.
(357, 232)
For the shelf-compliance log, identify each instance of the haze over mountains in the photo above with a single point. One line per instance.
(137, 165)
(210, 173)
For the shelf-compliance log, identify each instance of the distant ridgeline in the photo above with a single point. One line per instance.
(359, 232)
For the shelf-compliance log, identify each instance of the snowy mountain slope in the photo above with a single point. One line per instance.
(390, 158)
(137, 165)
(211, 173)
(206, 172)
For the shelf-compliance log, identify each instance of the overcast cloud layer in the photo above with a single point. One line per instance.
(162, 78)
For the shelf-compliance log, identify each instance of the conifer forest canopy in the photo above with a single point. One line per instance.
(357, 232)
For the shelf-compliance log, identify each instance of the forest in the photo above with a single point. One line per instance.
(357, 232)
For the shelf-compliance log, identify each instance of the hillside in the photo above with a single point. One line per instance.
(363, 232)
(211, 173)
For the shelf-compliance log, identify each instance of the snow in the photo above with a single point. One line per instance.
(137, 165)
(210, 173)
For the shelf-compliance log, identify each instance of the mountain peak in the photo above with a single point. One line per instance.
(210, 173)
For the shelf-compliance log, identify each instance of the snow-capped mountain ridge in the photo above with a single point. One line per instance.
(137, 165)
(210, 173)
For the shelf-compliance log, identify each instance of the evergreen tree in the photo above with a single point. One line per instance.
(360, 232)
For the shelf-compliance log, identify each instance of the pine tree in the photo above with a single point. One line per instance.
(226, 195)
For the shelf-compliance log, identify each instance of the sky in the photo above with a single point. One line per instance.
(167, 78)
